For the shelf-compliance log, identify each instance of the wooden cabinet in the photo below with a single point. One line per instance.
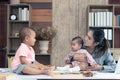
(19, 16)
(43, 58)
(22, 12)
(106, 17)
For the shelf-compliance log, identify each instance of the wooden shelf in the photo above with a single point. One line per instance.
(116, 26)
(13, 37)
(115, 35)
(17, 21)
(11, 54)
(19, 5)
(101, 27)
(106, 11)
(14, 26)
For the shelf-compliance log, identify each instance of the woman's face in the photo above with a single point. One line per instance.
(89, 40)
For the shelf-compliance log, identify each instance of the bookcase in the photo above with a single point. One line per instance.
(22, 14)
(18, 16)
(106, 17)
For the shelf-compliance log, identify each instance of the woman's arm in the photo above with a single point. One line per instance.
(105, 62)
(109, 62)
(96, 67)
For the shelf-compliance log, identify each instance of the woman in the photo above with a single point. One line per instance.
(98, 47)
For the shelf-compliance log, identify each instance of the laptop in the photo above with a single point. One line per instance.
(117, 69)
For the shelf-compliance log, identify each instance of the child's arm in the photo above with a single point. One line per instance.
(90, 59)
(24, 61)
(68, 58)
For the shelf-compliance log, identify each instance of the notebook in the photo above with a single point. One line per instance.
(117, 70)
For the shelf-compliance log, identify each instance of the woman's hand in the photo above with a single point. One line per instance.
(83, 66)
(95, 67)
(80, 57)
(98, 67)
(48, 72)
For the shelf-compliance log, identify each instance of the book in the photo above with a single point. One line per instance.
(96, 19)
(20, 13)
(99, 18)
(90, 19)
(106, 33)
(104, 19)
(118, 20)
(109, 34)
(110, 19)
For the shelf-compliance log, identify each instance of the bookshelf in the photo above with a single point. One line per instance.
(22, 13)
(106, 17)
(23, 19)
(18, 16)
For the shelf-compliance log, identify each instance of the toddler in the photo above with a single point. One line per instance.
(24, 61)
(76, 46)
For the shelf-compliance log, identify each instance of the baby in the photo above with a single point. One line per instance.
(24, 61)
(72, 65)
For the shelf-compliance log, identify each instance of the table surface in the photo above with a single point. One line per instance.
(97, 75)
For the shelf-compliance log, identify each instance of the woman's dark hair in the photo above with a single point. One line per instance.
(78, 39)
(103, 44)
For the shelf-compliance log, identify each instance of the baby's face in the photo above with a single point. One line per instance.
(32, 39)
(75, 46)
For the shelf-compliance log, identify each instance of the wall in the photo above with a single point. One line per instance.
(69, 16)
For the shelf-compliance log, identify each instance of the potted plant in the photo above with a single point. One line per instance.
(44, 35)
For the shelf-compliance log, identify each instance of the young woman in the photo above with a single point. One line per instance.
(96, 44)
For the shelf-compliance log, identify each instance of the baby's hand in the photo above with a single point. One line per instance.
(48, 72)
(52, 67)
